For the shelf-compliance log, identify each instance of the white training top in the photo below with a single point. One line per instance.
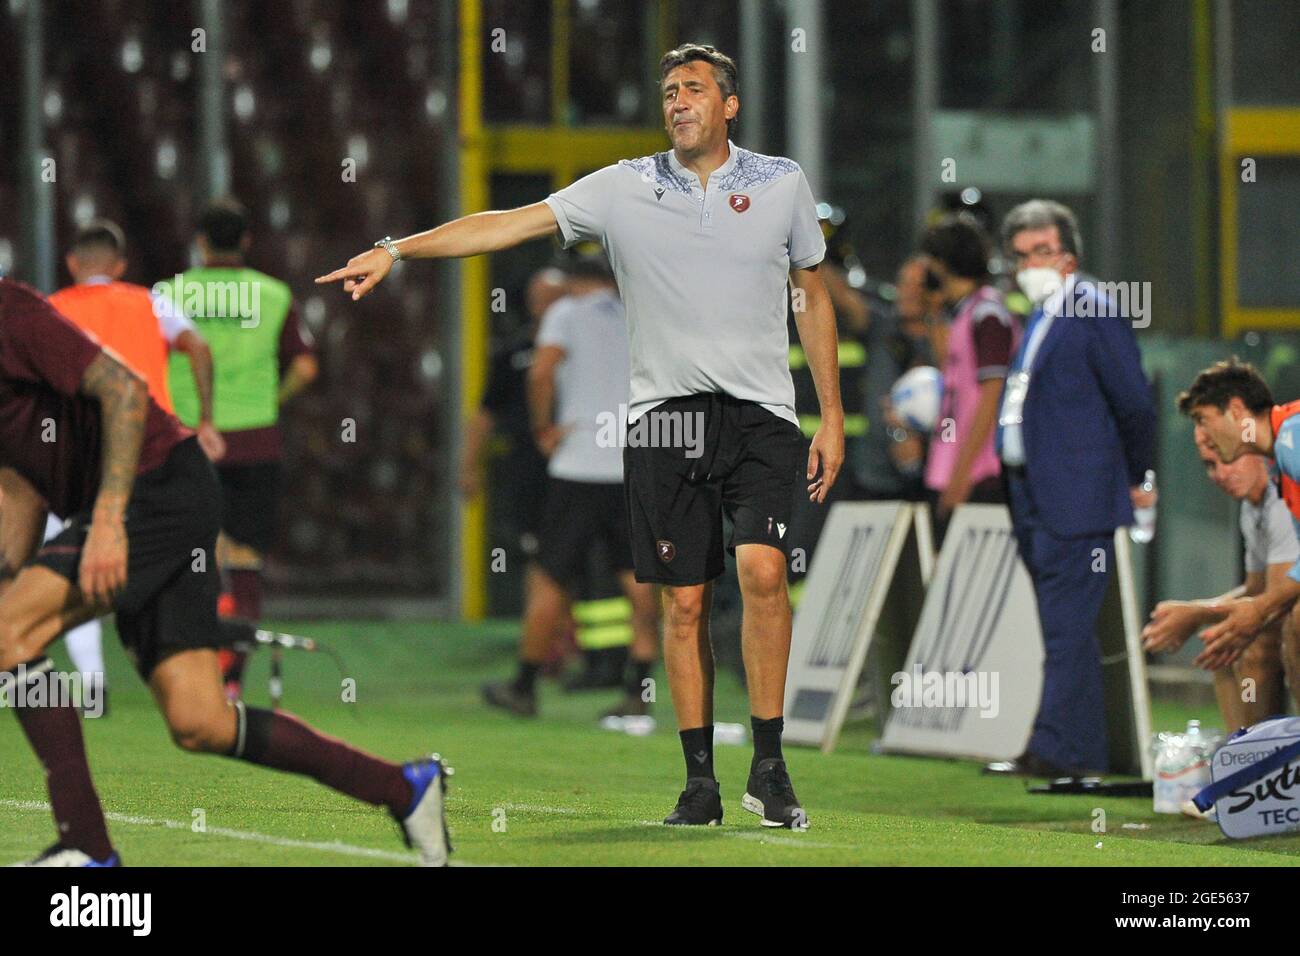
(1268, 532)
(702, 269)
(590, 385)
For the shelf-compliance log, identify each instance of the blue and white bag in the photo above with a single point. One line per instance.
(1256, 777)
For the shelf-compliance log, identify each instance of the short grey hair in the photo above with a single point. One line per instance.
(1039, 214)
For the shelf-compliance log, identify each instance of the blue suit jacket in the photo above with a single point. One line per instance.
(1089, 421)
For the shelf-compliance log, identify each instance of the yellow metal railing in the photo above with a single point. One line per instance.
(1249, 134)
(561, 152)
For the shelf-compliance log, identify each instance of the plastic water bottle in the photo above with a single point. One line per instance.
(1144, 519)
(1182, 767)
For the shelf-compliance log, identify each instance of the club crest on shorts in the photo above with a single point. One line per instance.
(738, 202)
(667, 551)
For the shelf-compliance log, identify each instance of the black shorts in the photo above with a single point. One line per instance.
(746, 466)
(580, 515)
(250, 503)
(169, 603)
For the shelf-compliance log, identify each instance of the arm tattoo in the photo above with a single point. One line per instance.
(124, 402)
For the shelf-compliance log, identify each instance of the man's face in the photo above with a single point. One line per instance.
(1226, 430)
(1041, 248)
(1236, 480)
(695, 114)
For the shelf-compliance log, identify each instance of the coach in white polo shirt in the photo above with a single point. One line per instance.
(1250, 688)
(705, 240)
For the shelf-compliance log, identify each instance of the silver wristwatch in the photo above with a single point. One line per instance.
(389, 246)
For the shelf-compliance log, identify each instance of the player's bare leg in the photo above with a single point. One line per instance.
(644, 649)
(546, 609)
(1258, 678)
(188, 689)
(765, 626)
(688, 658)
(1227, 691)
(765, 644)
(38, 607)
(1291, 652)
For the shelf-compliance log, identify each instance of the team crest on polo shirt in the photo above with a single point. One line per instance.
(738, 201)
(666, 551)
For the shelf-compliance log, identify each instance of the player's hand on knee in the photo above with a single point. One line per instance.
(103, 560)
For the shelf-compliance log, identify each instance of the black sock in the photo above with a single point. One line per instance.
(637, 673)
(697, 746)
(527, 679)
(767, 738)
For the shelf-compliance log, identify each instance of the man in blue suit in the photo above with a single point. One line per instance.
(1076, 435)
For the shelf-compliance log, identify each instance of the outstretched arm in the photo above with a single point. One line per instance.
(470, 235)
(124, 402)
(1173, 622)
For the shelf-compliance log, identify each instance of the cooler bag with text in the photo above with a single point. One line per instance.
(1256, 774)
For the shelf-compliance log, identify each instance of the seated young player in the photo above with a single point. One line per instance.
(142, 507)
(1271, 549)
(1232, 406)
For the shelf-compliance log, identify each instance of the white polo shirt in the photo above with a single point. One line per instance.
(1268, 534)
(702, 269)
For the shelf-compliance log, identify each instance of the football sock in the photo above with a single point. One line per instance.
(697, 747)
(54, 733)
(526, 682)
(637, 673)
(272, 738)
(767, 739)
(85, 646)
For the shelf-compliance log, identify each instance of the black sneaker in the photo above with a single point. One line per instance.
(771, 795)
(505, 695)
(700, 805)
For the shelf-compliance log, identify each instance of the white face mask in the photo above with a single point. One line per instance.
(1039, 283)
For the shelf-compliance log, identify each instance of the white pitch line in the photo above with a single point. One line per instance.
(536, 808)
(756, 837)
(345, 849)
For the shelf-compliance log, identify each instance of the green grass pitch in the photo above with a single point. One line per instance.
(559, 790)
